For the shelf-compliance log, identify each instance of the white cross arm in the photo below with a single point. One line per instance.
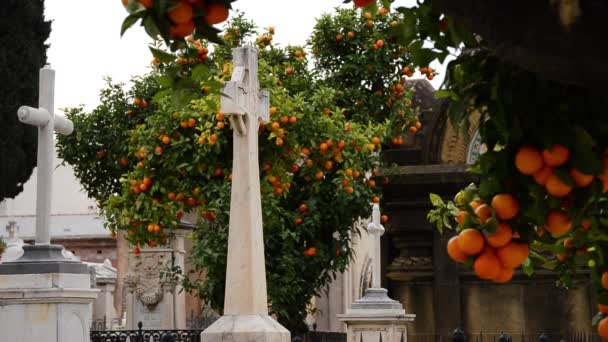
(375, 226)
(41, 117)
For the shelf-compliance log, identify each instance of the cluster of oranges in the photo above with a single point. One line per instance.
(428, 71)
(265, 39)
(140, 186)
(182, 15)
(278, 125)
(495, 255)
(542, 166)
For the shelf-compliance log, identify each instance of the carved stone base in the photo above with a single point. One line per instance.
(377, 299)
(246, 328)
(53, 307)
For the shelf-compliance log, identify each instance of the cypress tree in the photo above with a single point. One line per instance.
(23, 32)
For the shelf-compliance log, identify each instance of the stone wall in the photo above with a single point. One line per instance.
(522, 307)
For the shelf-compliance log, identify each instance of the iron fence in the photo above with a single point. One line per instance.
(141, 335)
(460, 336)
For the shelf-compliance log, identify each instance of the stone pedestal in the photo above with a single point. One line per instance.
(246, 328)
(376, 318)
(45, 297)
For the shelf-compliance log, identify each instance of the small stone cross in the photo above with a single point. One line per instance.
(376, 229)
(246, 272)
(47, 124)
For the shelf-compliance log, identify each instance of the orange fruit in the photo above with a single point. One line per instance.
(512, 254)
(379, 43)
(543, 174)
(602, 328)
(505, 206)
(556, 187)
(384, 218)
(487, 266)
(216, 13)
(605, 280)
(147, 180)
(376, 199)
(349, 190)
(474, 204)
(328, 165)
(166, 140)
(602, 308)
(586, 224)
(580, 179)
(504, 275)
(181, 14)
(568, 243)
(483, 213)
(136, 251)
(528, 160)
(297, 220)
(461, 216)
(557, 223)
(501, 237)
(470, 241)
(454, 250)
(556, 155)
(182, 30)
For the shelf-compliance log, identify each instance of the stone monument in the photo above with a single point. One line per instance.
(45, 296)
(154, 300)
(245, 303)
(376, 317)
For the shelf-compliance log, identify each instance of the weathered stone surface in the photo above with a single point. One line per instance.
(245, 328)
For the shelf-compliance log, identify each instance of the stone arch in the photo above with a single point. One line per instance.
(457, 144)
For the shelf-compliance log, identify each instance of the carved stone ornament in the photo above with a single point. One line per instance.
(144, 278)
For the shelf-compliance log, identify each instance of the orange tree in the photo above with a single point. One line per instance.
(356, 51)
(162, 148)
(541, 200)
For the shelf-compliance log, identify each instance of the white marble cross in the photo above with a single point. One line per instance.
(376, 229)
(47, 124)
(246, 105)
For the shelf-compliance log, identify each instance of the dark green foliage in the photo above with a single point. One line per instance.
(23, 53)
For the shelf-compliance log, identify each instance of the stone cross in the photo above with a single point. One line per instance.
(246, 271)
(47, 124)
(376, 229)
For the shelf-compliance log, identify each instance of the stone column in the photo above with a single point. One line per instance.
(179, 259)
(375, 317)
(245, 302)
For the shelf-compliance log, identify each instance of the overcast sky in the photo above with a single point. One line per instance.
(85, 42)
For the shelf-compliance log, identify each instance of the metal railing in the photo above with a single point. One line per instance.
(141, 335)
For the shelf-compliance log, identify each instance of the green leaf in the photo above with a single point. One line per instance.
(597, 318)
(128, 22)
(550, 265)
(528, 267)
(162, 56)
(164, 80)
(584, 157)
(436, 200)
(200, 72)
(150, 27)
(441, 94)
(490, 226)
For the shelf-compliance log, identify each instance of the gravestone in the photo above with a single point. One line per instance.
(45, 296)
(245, 303)
(151, 298)
(376, 317)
